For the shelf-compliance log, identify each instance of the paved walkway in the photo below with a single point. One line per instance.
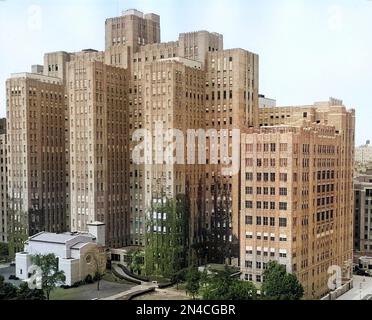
(89, 291)
(135, 290)
(362, 288)
(122, 273)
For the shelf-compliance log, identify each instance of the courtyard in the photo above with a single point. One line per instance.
(110, 286)
(362, 288)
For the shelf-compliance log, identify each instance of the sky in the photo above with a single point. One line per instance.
(309, 50)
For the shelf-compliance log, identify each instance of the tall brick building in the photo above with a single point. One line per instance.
(36, 156)
(298, 196)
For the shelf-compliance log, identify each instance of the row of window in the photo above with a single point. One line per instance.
(283, 162)
(266, 221)
(323, 216)
(325, 188)
(266, 177)
(265, 237)
(283, 206)
(325, 201)
(266, 147)
(266, 191)
(225, 95)
(249, 277)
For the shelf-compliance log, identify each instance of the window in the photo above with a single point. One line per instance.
(259, 221)
(115, 257)
(283, 162)
(283, 206)
(248, 277)
(249, 220)
(272, 222)
(248, 205)
(282, 222)
(283, 147)
(249, 176)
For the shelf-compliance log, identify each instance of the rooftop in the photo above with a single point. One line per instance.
(36, 76)
(61, 238)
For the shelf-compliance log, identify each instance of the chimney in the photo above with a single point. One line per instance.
(37, 69)
(98, 230)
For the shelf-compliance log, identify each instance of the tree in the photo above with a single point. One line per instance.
(179, 277)
(17, 227)
(4, 252)
(50, 274)
(167, 236)
(98, 259)
(25, 293)
(7, 290)
(222, 286)
(280, 285)
(136, 262)
(10, 292)
(242, 290)
(218, 244)
(192, 282)
(218, 286)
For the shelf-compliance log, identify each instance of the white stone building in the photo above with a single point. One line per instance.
(79, 255)
(363, 154)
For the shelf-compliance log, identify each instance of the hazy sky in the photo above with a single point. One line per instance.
(309, 50)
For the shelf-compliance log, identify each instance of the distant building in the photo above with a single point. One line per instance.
(363, 215)
(363, 154)
(264, 102)
(79, 255)
(365, 263)
(3, 184)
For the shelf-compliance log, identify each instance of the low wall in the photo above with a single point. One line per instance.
(339, 291)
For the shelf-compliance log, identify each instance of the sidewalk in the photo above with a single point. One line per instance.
(127, 294)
